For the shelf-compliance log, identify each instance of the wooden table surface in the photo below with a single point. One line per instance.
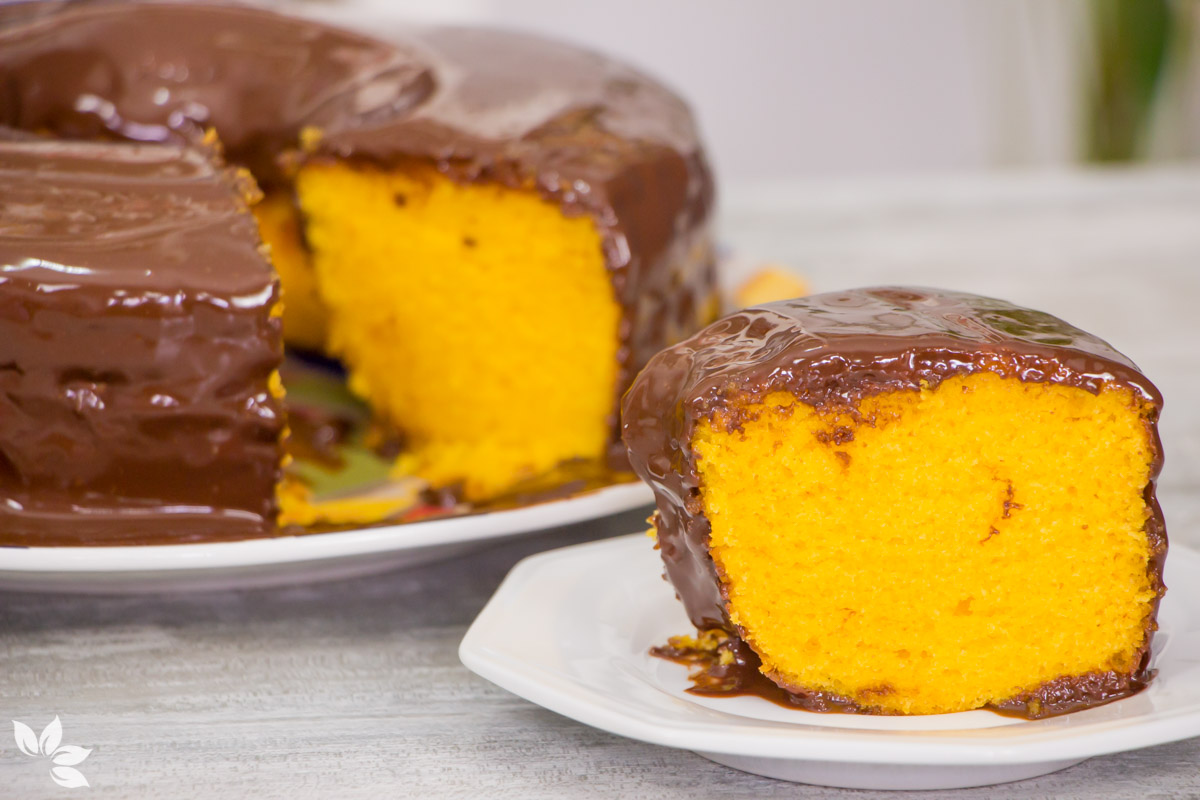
(353, 689)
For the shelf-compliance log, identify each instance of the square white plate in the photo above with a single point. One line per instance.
(571, 630)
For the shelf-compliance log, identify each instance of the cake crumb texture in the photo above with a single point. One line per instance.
(935, 550)
(304, 314)
(498, 360)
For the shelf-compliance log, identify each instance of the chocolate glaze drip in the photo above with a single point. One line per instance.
(833, 350)
(593, 135)
(136, 346)
(740, 674)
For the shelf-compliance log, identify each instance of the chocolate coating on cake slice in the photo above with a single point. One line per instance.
(595, 136)
(831, 350)
(137, 345)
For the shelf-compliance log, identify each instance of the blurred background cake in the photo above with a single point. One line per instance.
(491, 231)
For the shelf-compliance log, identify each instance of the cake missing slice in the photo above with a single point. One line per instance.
(910, 502)
(491, 231)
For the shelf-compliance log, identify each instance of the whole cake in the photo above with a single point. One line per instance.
(907, 501)
(493, 232)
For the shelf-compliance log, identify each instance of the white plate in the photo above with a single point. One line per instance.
(293, 559)
(570, 630)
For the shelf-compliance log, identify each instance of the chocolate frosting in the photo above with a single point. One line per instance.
(16, 11)
(166, 72)
(832, 350)
(136, 346)
(595, 136)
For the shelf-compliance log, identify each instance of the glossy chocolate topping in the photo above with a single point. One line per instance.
(832, 350)
(17, 11)
(166, 72)
(136, 345)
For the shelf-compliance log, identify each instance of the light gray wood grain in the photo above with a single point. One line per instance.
(354, 690)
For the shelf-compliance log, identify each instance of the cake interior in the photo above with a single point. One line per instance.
(304, 314)
(496, 357)
(934, 550)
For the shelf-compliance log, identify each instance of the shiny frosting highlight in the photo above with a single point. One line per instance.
(136, 348)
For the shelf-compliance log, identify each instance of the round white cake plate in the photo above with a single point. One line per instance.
(294, 559)
(570, 630)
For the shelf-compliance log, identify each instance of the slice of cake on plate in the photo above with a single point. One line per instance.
(909, 501)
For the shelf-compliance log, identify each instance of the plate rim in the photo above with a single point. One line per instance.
(737, 735)
(317, 547)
